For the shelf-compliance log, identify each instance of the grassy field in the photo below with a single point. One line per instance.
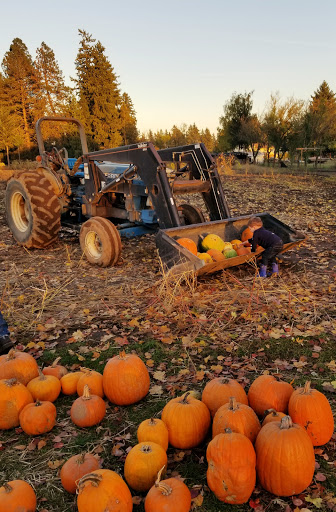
(229, 324)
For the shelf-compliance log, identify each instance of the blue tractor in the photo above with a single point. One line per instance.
(126, 191)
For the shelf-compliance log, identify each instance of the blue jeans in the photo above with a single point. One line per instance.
(3, 327)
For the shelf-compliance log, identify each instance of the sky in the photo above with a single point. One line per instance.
(180, 61)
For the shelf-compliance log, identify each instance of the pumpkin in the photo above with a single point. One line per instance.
(154, 430)
(14, 396)
(17, 496)
(236, 243)
(311, 409)
(216, 255)
(187, 420)
(18, 365)
(242, 251)
(230, 253)
(205, 257)
(55, 369)
(103, 490)
(142, 464)
(238, 417)
(75, 468)
(44, 387)
(189, 244)
(88, 410)
(285, 458)
(69, 382)
(125, 379)
(266, 392)
(170, 495)
(272, 415)
(38, 418)
(218, 391)
(231, 471)
(247, 234)
(213, 242)
(94, 380)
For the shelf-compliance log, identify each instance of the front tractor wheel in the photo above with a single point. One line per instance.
(32, 210)
(100, 242)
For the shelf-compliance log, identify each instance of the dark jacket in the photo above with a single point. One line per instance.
(265, 239)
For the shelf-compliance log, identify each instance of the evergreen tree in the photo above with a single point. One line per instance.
(129, 129)
(177, 136)
(20, 84)
(11, 133)
(98, 92)
(208, 139)
(236, 110)
(320, 121)
(193, 134)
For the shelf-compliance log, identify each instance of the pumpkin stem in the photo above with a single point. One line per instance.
(185, 398)
(55, 363)
(164, 488)
(227, 431)
(306, 389)
(146, 448)
(286, 423)
(86, 393)
(8, 488)
(122, 354)
(38, 403)
(267, 412)
(81, 458)
(233, 406)
(93, 478)
(152, 422)
(41, 375)
(11, 382)
(11, 354)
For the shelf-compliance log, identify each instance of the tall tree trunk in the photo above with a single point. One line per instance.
(25, 121)
(7, 150)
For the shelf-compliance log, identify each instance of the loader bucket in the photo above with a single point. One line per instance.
(176, 259)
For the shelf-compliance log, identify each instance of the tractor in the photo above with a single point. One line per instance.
(126, 191)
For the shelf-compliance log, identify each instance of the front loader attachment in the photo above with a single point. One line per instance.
(177, 259)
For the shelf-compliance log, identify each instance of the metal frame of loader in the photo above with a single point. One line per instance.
(194, 171)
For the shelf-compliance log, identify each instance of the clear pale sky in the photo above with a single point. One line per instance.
(181, 60)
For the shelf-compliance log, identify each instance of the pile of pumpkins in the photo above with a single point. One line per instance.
(252, 435)
(214, 249)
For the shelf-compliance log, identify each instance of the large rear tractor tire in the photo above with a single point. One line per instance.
(191, 214)
(32, 210)
(100, 242)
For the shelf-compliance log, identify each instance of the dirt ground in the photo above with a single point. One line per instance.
(227, 324)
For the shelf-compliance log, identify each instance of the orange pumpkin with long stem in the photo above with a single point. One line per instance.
(187, 420)
(69, 382)
(88, 410)
(125, 379)
(103, 490)
(231, 471)
(170, 495)
(57, 370)
(18, 365)
(17, 496)
(94, 380)
(154, 430)
(75, 468)
(285, 458)
(142, 465)
(238, 417)
(44, 387)
(14, 397)
(38, 418)
(310, 408)
(218, 391)
(266, 392)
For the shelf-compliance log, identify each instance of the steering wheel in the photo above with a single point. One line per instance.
(58, 157)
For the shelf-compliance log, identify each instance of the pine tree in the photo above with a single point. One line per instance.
(20, 85)
(98, 92)
(320, 122)
(129, 129)
(208, 139)
(193, 134)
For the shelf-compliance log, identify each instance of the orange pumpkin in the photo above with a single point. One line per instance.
(235, 244)
(55, 369)
(44, 387)
(125, 379)
(242, 251)
(189, 244)
(142, 464)
(311, 409)
(103, 490)
(218, 391)
(272, 415)
(216, 255)
(88, 410)
(14, 397)
(231, 471)
(187, 420)
(69, 382)
(94, 380)
(38, 418)
(266, 392)
(285, 458)
(247, 234)
(75, 468)
(18, 365)
(170, 495)
(154, 430)
(17, 496)
(238, 417)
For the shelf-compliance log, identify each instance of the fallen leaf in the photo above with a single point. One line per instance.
(156, 390)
